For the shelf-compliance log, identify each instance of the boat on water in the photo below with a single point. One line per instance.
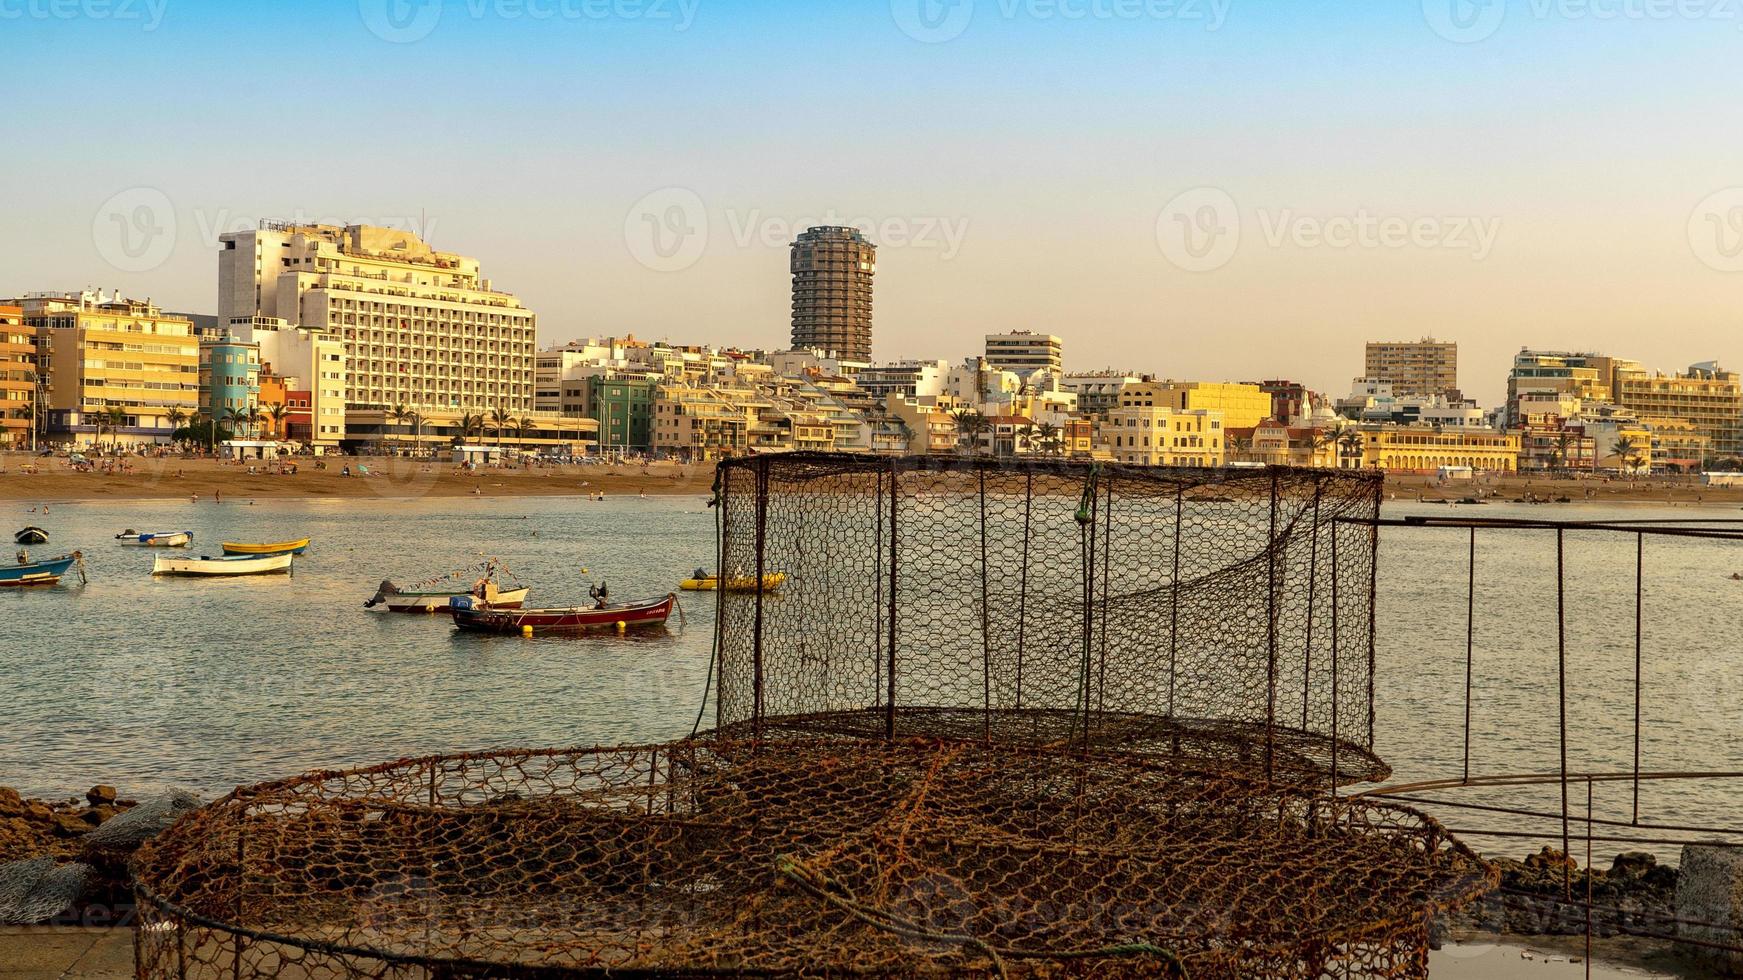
(703, 581)
(528, 622)
(31, 535)
(228, 565)
(27, 573)
(489, 584)
(155, 539)
(296, 547)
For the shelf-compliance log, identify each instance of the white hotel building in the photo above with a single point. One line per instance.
(420, 328)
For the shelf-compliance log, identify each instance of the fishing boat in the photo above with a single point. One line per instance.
(528, 622)
(706, 582)
(229, 565)
(487, 589)
(274, 548)
(155, 539)
(47, 572)
(31, 535)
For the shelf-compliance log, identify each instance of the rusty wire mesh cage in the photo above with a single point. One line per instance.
(1225, 615)
(829, 856)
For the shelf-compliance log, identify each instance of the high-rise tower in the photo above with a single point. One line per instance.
(832, 292)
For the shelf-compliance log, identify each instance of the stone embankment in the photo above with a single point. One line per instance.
(66, 861)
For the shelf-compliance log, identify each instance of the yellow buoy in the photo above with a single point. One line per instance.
(526, 631)
(621, 626)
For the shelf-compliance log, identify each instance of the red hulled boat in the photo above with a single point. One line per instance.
(607, 616)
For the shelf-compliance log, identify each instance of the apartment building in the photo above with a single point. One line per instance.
(1426, 367)
(230, 381)
(1158, 435)
(17, 379)
(1708, 396)
(1240, 406)
(421, 328)
(1585, 376)
(117, 367)
(311, 364)
(1025, 352)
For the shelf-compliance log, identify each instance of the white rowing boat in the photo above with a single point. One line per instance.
(228, 566)
(159, 539)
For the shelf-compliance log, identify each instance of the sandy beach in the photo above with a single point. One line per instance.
(47, 480)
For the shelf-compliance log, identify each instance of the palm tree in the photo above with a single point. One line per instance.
(1027, 436)
(1559, 458)
(175, 417)
(1626, 449)
(1239, 444)
(970, 424)
(1047, 434)
(117, 417)
(500, 420)
(522, 426)
(277, 413)
(234, 419)
(1351, 444)
(417, 422)
(399, 413)
(469, 425)
(253, 417)
(1326, 438)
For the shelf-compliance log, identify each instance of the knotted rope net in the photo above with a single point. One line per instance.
(831, 856)
(1225, 615)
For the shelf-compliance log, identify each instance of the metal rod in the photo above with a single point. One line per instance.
(1588, 879)
(1312, 582)
(1561, 698)
(1174, 597)
(1470, 645)
(1373, 603)
(1639, 604)
(1271, 638)
(890, 699)
(1336, 568)
(762, 528)
(986, 657)
(1023, 587)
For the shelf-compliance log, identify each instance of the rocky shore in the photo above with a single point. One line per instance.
(1545, 895)
(65, 861)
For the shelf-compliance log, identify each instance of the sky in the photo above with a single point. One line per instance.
(1203, 189)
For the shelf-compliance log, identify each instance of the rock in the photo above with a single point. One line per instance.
(100, 794)
(70, 825)
(11, 803)
(1550, 859)
(37, 812)
(1632, 864)
(39, 889)
(1709, 901)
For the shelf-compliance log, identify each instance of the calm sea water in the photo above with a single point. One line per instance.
(149, 683)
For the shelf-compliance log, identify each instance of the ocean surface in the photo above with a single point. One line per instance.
(146, 684)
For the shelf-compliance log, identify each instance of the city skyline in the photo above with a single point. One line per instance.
(1513, 231)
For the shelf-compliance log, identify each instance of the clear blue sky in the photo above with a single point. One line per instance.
(1017, 163)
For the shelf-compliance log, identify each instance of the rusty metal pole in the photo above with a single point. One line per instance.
(1561, 698)
(1470, 645)
(890, 698)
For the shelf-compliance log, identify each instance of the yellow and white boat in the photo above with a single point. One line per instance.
(279, 548)
(738, 583)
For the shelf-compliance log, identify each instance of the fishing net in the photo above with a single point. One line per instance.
(38, 889)
(136, 825)
(832, 856)
(1222, 614)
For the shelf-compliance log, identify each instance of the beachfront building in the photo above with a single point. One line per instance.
(309, 363)
(1585, 376)
(624, 406)
(1706, 395)
(703, 424)
(1679, 447)
(17, 379)
(1423, 449)
(1620, 443)
(923, 422)
(1550, 437)
(230, 383)
(1425, 368)
(1277, 443)
(114, 371)
(1024, 352)
(1142, 434)
(1098, 392)
(421, 329)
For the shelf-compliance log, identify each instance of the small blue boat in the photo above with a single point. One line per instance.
(48, 572)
